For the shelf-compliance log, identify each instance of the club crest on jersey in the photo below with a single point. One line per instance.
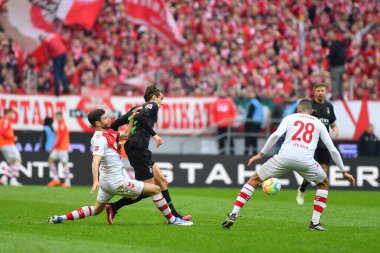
(328, 111)
(149, 106)
(96, 148)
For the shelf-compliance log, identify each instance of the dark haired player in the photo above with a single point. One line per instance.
(324, 111)
(138, 153)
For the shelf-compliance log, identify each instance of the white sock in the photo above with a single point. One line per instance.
(53, 171)
(163, 206)
(244, 195)
(319, 205)
(80, 213)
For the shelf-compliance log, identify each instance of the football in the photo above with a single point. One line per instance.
(271, 186)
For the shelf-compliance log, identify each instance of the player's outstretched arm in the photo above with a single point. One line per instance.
(334, 129)
(349, 177)
(95, 172)
(255, 158)
(335, 155)
(158, 140)
(275, 136)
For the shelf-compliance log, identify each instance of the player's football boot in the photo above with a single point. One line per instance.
(14, 182)
(300, 197)
(180, 222)
(317, 227)
(109, 214)
(66, 185)
(54, 182)
(186, 217)
(229, 221)
(55, 219)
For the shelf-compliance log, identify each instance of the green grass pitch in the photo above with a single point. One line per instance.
(266, 224)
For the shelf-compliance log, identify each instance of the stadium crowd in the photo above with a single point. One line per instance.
(239, 46)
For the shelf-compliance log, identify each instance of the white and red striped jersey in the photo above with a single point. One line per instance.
(105, 145)
(302, 135)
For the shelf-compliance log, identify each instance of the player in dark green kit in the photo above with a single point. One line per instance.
(138, 153)
(324, 111)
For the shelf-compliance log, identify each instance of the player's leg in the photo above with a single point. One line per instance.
(301, 190)
(222, 139)
(313, 172)
(8, 171)
(53, 156)
(140, 161)
(319, 205)
(64, 158)
(161, 181)
(242, 198)
(274, 167)
(85, 211)
(15, 165)
(322, 156)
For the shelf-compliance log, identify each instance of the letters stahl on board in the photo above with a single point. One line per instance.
(181, 170)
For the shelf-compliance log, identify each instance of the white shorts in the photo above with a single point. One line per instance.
(60, 156)
(126, 164)
(10, 153)
(125, 187)
(278, 166)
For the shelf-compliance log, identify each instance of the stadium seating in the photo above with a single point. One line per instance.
(231, 45)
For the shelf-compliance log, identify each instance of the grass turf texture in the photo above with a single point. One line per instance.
(266, 224)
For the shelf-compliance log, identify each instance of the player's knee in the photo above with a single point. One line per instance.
(254, 180)
(99, 208)
(156, 190)
(324, 184)
(163, 183)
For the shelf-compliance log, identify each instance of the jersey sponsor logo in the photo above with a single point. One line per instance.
(131, 185)
(96, 148)
(149, 106)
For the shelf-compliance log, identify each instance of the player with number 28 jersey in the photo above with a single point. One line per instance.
(303, 132)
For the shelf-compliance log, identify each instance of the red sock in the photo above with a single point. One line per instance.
(319, 205)
(80, 213)
(244, 195)
(163, 206)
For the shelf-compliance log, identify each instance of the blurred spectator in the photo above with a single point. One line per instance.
(56, 50)
(368, 143)
(231, 45)
(254, 120)
(337, 59)
(48, 135)
(223, 113)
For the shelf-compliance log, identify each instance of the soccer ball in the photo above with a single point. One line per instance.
(271, 186)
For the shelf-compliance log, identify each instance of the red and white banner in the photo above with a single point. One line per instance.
(29, 23)
(79, 12)
(155, 15)
(178, 116)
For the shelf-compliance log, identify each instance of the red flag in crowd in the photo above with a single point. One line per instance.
(30, 23)
(156, 16)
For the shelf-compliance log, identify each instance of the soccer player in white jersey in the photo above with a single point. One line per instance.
(112, 181)
(296, 154)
